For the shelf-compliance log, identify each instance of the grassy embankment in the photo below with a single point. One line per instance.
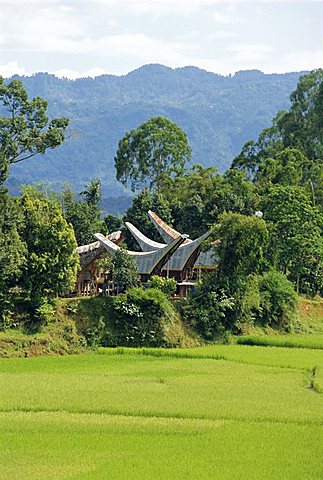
(81, 316)
(224, 412)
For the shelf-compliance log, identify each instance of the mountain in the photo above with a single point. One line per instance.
(218, 113)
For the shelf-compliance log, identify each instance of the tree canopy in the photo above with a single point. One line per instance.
(296, 243)
(291, 150)
(26, 130)
(84, 215)
(52, 261)
(123, 269)
(157, 149)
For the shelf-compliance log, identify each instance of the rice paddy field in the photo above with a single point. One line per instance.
(214, 412)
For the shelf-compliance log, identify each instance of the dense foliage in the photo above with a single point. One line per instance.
(219, 114)
(139, 318)
(123, 269)
(135, 318)
(25, 130)
(37, 256)
(262, 258)
(290, 151)
(262, 261)
(84, 216)
(154, 151)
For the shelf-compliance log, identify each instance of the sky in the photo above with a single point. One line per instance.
(79, 38)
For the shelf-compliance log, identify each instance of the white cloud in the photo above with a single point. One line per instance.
(143, 47)
(294, 62)
(71, 38)
(220, 34)
(12, 68)
(223, 18)
(66, 8)
(48, 30)
(249, 51)
(157, 6)
(73, 74)
(182, 7)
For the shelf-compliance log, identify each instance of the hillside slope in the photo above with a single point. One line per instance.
(218, 113)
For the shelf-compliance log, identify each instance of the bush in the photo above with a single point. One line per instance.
(45, 312)
(266, 300)
(139, 318)
(91, 315)
(166, 285)
(278, 300)
(57, 338)
(208, 311)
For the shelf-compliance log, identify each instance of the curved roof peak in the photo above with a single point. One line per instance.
(167, 232)
(148, 263)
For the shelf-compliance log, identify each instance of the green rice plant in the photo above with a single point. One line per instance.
(314, 341)
(277, 357)
(143, 385)
(162, 413)
(317, 379)
(60, 446)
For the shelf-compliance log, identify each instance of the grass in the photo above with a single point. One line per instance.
(254, 355)
(56, 338)
(215, 412)
(291, 341)
(81, 446)
(311, 315)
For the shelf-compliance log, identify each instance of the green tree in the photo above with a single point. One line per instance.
(112, 223)
(13, 253)
(235, 194)
(197, 198)
(301, 126)
(26, 131)
(278, 300)
(137, 214)
(297, 130)
(92, 193)
(296, 243)
(191, 199)
(84, 217)
(157, 149)
(218, 303)
(242, 248)
(209, 309)
(191, 217)
(51, 260)
(139, 318)
(123, 269)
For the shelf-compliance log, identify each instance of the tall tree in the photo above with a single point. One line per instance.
(26, 131)
(137, 214)
(298, 129)
(51, 263)
(123, 269)
(92, 192)
(13, 254)
(296, 241)
(84, 216)
(242, 248)
(157, 149)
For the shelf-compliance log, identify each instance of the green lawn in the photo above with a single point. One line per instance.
(215, 412)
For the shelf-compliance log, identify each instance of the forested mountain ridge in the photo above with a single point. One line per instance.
(219, 114)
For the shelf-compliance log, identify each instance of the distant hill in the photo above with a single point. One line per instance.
(218, 113)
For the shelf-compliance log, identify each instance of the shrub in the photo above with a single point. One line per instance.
(139, 318)
(278, 300)
(45, 312)
(208, 309)
(166, 285)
